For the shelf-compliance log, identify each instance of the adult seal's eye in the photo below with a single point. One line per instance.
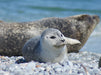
(52, 37)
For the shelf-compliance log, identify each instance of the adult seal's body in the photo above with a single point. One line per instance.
(49, 47)
(14, 35)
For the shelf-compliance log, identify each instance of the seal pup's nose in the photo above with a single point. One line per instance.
(63, 40)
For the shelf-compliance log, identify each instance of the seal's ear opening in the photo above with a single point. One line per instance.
(72, 41)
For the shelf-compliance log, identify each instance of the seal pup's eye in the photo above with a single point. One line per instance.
(61, 35)
(52, 37)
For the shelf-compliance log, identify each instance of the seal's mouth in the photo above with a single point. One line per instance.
(59, 46)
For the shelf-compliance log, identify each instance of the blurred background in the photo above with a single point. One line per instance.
(31, 10)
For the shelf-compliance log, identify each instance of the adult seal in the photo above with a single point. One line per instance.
(49, 47)
(14, 35)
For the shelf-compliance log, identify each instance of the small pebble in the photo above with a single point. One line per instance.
(57, 69)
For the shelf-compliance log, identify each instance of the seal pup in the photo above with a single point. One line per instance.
(49, 47)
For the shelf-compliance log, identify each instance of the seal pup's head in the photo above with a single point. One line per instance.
(53, 37)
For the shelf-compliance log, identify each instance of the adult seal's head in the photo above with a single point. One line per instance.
(49, 47)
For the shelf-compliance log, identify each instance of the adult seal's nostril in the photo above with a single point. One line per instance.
(63, 40)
